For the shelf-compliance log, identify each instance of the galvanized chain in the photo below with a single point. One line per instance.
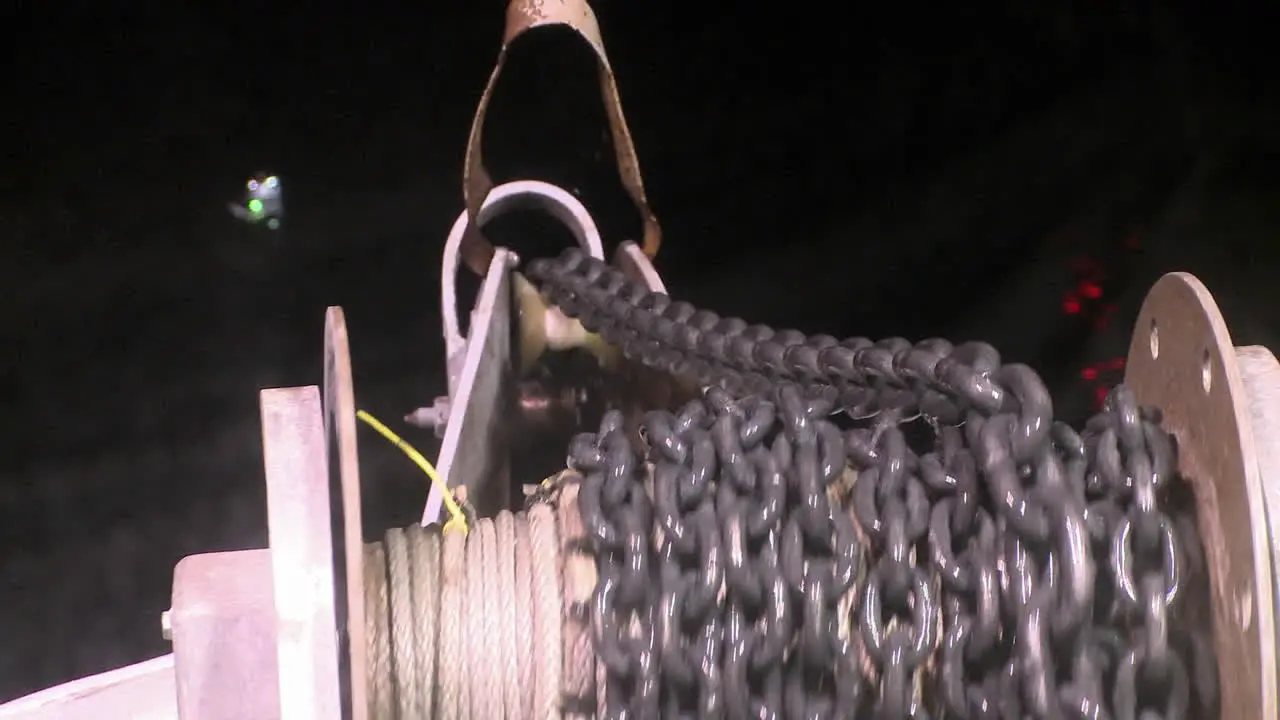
(962, 542)
(691, 562)
(1014, 568)
(1136, 461)
(618, 515)
(898, 605)
(820, 556)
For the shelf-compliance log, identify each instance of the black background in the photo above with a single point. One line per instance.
(925, 170)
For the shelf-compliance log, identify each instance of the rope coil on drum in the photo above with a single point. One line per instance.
(471, 625)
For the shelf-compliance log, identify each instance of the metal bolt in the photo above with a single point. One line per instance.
(435, 417)
(166, 625)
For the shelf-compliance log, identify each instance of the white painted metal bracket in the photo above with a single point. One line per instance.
(224, 631)
(475, 451)
(254, 631)
(298, 526)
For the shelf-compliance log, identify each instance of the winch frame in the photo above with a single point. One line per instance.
(241, 621)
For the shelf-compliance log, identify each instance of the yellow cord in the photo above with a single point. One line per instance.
(457, 520)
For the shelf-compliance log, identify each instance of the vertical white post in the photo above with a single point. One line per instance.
(298, 525)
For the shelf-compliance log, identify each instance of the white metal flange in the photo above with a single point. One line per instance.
(344, 465)
(1181, 360)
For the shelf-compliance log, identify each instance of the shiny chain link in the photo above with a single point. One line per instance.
(1007, 567)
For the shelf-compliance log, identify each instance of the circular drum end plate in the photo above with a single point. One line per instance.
(1181, 360)
(344, 463)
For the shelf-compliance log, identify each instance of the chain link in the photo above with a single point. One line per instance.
(1005, 567)
(617, 513)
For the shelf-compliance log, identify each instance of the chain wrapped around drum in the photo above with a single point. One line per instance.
(787, 546)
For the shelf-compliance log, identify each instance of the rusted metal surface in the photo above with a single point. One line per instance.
(1181, 360)
(1261, 375)
(223, 625)
(343, 462)
(145, 691)
(522, 16)
(298, 526)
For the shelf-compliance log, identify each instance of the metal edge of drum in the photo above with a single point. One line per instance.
(344, 460)
(1181, 360)
(1260, 372)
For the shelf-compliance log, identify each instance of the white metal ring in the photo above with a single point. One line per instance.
(517, 195)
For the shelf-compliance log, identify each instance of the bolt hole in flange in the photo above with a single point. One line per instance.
(1206, 358)
(1232, 589)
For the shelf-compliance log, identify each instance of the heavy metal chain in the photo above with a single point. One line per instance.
(757, 560)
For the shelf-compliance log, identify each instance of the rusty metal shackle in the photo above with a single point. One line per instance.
(522, 16)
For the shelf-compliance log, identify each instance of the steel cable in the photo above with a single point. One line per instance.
(424, 550)
(452, 594)
(579, 579)
(504, 595)
(377, 638)
(401, 622)
(470, 626)
(546, 613)
(524, 617)
(481, 677)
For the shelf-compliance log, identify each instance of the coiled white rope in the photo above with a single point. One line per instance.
(450, 669)
(505, 592)
(578, 580)
(524, 616)
(403, 637)
(546, 612)
(375, 589)
(473, 625)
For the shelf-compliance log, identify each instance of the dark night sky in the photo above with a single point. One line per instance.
(929, 170)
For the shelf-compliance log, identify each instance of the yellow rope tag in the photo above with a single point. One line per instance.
(457, 519)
